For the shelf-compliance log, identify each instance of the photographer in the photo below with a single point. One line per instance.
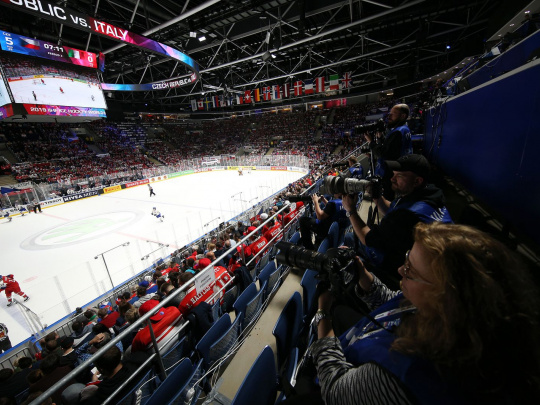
(385, 244)
(356, 171)
(333, 211)
(464, 329)
(396, 143)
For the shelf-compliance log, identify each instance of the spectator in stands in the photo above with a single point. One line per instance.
(52, 373)
(333, 211)
(143, 297)
(169, 289)
(13, 383)
(106, 318)
(162, 323)
(80, 332)
(464, 328)
(113, 373)
(69, 356)
(194, 297)
(385, 244)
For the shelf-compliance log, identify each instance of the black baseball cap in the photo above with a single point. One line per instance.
(417, 164)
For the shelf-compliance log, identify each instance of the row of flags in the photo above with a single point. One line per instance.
(275, 92)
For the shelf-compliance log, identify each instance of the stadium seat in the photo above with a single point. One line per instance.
(286, 332)
(248, 305)
(141, 383)
(176, 389)
(309, 288)
(324, 246)
(268, 279)
(260, 384)
(295, 238)
(175, 354)
(333, 234)
(228, 299)
(217, 342)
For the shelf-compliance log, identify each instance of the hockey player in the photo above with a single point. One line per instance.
(5, 343)
(10, 286)
(61, 90)
(5, 214)
(157, 214)
(151, 191)
(240, 171)
(22, 209)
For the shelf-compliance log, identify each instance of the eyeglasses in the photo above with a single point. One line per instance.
(407, 268)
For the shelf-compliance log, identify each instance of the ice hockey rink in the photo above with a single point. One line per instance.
(56, 256)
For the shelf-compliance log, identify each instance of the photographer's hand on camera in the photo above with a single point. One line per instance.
(365, 278)
(318, 211)
(359, 226)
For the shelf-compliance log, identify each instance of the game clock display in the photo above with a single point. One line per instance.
(42, 49)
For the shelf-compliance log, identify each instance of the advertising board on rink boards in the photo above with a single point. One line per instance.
(78, 196)
(283, 168)
(178, 174)
(54, 201)
(297, 169)
(158, 178)
(136, 183)
(112, 189)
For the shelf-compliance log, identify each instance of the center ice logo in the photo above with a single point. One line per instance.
(80, 231)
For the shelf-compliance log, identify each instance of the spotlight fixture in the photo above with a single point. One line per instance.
(203, 38)
(192, 34)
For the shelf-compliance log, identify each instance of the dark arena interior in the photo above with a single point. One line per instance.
(332, 188)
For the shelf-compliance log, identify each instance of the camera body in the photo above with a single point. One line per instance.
(375, 126)
(335, 267)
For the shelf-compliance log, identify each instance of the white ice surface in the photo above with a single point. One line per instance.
(52, 254)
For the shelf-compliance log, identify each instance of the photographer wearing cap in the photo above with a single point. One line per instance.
(395, 143)
(384, 245)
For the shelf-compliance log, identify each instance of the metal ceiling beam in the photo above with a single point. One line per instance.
(175, 20)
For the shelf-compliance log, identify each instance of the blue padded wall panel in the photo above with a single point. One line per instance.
(489, 140)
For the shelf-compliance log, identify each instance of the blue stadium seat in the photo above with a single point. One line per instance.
(228, 299)
(268, 279)
(260, 384)
(324, 246)
(248, 305)
(175, 354)
(295, 238)
(178, 387)
(333, 234)
(219, 339)
(131, 396)
(286, 332)
(309, 288)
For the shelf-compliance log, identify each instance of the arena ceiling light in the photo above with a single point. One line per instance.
(202, 38)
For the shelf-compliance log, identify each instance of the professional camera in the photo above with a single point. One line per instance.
(335, 267)
(341, 185)
(376, 126)
(297, 198)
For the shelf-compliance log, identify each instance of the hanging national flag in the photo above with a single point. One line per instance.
(276, 92)
(194, 105)
(298, 88)
(215, 101)
(286, 90)
(247, 96)
(308, 86)
(222, 102)
(239, 99)
(200, 104)
(267, 93)
(319, 85)
(207, 103)
(230, 100)
(334, 82)
(346, 82)
(257, 93)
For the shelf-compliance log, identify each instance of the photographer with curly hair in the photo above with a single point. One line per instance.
(464, 328)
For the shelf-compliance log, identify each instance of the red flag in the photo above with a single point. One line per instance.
(319, 85)
(247, 96)
(298, 88)
(286, 90)
(267, 92)
(200, 104)
(239, 99)
(347, 80)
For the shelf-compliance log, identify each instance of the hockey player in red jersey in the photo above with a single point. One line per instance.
(10, 286)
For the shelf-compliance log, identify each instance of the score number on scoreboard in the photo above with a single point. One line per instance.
(48, 50)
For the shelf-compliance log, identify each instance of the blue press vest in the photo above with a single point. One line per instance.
(357, 172)
(368, 343)
(406, 146)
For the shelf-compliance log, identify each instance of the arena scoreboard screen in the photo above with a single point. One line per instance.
(42, 49)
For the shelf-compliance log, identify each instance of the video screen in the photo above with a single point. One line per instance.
(37, 81)
(4, 95)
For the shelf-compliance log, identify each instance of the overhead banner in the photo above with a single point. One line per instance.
(42, 109)
(64, 15)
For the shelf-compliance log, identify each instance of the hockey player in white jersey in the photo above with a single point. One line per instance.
(158, 214)
(5, 214)
(22, 209)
